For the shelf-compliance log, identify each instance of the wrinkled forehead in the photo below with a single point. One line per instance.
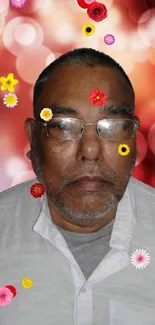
(70, 86)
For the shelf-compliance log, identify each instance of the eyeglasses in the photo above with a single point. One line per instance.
(116, 129)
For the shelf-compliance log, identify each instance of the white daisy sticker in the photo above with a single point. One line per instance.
(10, 100)
(140, 258)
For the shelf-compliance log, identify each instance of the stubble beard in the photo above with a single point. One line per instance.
(86, 216)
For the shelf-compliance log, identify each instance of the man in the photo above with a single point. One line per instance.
(68, 252)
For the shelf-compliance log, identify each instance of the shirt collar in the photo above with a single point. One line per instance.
(122, 228)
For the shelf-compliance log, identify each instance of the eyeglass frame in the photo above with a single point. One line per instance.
(135, 120)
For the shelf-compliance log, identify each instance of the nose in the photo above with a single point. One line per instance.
(90, 146)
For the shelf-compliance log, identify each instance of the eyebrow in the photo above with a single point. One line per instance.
(124, 110)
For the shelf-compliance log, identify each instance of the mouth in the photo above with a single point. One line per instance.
(87, 183)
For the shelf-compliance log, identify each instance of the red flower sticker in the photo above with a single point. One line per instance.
(97, 97)
(37, 190)
(83, 4)
(12, 289)
(97, 11)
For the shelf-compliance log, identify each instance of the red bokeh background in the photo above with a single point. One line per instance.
(33, 36)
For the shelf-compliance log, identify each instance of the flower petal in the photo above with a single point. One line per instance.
(15, 81)
(3, 79)
(4, 86)
(10, 76)
(11, 88)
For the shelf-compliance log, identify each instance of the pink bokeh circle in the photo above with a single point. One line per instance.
(151, 138)
(21, 33)
(30, 63)
(2, 23)
(142, 147)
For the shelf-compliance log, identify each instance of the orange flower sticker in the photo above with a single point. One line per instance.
(37, 190)
(97, 97)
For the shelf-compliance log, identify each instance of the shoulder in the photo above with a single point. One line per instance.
(11, 195)
(141, 188)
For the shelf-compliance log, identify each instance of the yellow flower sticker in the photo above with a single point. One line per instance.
(123, 149)
(27, 283)
(9, 82)
(46, 114)
(10, 100)
(88, 29)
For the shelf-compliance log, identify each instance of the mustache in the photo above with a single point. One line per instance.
(108, 176)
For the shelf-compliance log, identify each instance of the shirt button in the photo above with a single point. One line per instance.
(84, 290)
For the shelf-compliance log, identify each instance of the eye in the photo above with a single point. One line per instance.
(62, 126)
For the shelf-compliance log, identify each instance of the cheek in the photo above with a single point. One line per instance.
(58, 157)
(113, 154)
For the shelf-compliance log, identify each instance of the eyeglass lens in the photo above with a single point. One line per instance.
(67, 128)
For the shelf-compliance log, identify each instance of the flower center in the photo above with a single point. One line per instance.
(11, 100)
(97, 97)
(140, 258)
(97, 11)
(3, 296)
(88, 29)
(123, 149)
(8, 82)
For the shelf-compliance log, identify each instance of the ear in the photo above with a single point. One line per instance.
(29, 128)
(28, 154)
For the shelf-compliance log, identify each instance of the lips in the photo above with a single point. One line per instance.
(89, 183)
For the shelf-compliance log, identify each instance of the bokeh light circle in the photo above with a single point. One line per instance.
(21, 33)
(151, 138)
(23, 177)
(146, 111)
(25, 34)
(31, 62)
(135, 15)
(14, 165)
(137, 49)
(4, 6)
(68, 35)
(142, 147)
(2, 23)
(51, 57)
(146, 30)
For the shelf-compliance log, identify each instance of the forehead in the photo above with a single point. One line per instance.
(70, 86)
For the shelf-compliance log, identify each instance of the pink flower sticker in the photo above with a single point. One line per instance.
(109, 39)
(19, 3)
(6, 296)
(140, 258)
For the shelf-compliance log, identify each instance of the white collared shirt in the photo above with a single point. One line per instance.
(31, 246)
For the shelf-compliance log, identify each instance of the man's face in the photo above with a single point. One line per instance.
(58, 163)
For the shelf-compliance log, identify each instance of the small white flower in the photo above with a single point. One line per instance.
(46, 114)
(140, 258)
(10, 100)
